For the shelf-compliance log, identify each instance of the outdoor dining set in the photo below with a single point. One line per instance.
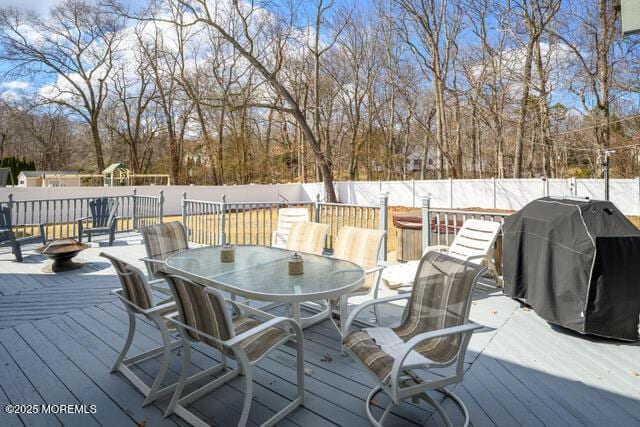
(224, 297)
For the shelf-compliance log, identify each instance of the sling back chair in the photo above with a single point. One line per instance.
(203, 317)
(8, 236)
(474, 243)
(138, 299)
(161, 241)
(308, 237)
(103, 219)
(361, 246)
(433, 335)
(286, 218)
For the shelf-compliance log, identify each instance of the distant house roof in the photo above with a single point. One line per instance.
(112, 167)
(38, 174)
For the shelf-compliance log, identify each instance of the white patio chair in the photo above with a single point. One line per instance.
(286, 218)
(473, 243)
(138, 299)
(161, 241)
(432, 336)
(308, 237)
(361, 246)
(203, 317)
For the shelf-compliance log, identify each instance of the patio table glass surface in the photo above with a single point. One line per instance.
(261, 272)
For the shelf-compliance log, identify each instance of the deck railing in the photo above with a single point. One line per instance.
(445, 224)
(60, 216)
(214, 223)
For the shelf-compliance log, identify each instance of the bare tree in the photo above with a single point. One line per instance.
(76, 44)
(536, 16)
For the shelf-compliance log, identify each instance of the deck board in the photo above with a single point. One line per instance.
(60, 334)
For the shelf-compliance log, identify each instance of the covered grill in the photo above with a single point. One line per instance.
(577, 263)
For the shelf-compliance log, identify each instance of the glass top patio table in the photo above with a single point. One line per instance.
(261, 273)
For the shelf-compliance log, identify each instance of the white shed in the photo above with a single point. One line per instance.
(48, 179)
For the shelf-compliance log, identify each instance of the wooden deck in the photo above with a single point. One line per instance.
(60, 333)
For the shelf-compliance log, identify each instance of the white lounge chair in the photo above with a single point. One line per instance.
(473, 243)
(286, 218)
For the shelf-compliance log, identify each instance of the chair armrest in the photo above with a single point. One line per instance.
(118, 292)
(159, 307)
(360, 307)
(152, 261)
(467, 328)
(264, 326)
(438, 248)
(375, 269)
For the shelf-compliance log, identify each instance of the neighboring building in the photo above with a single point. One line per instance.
(48, 179)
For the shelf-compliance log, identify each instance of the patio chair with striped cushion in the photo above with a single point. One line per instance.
(161, 241)
(203, 317)
(361, 246)
(135, 293)
(307, 237)
(433, 335)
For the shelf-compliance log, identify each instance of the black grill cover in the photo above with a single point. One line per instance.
(577, 263)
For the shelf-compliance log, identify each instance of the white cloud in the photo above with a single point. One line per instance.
(16, 84)
(40, 6)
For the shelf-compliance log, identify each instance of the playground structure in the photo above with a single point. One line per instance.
(116, 175)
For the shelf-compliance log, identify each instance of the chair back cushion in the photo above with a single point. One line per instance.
(361, 246)
(286, 218)
(440, 298)
(475, 239)
(307, 237)
(134, 285)
(163, 240)
(5, 218)
(201, 310)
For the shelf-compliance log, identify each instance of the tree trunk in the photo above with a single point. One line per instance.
(97, 144)
(526, 82)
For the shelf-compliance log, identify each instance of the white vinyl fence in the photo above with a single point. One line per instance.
(511, 194)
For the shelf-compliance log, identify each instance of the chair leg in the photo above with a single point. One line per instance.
(344, 302)
(248, 392)
(166, 356)
(186, 362)
(17, 252)
(300, 369)
(127, 344)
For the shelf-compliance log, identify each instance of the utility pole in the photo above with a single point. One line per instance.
(605, 166)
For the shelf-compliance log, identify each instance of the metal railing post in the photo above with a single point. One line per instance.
(223, 235)
(495, 192)
(161, 208)
(384, 221)
(317, 209)
(574, 186)
(184, 209)
(135, 209)
(426, 222)
(451, 193)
